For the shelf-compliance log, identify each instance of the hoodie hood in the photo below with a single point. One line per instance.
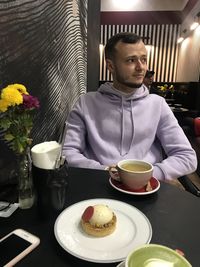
(125, 100)
(108, 88)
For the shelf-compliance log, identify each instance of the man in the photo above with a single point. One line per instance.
(148, 80)
(122, 120)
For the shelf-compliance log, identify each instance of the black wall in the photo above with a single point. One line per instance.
(93, 39)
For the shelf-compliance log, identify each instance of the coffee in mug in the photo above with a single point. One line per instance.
(134, 167)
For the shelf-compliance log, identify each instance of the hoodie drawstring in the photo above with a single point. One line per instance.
(132, 125)
(122, 152)
(122, 128)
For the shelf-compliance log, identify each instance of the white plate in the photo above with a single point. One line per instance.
(133, 229)
(126, 191)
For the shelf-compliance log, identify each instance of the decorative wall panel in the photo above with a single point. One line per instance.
(43, 45)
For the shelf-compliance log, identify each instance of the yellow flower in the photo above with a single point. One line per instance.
(20, 87)
(12, 96)
(3, 105)
(162, 88)
(166, 87)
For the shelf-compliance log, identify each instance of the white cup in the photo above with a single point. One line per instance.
(134, 174)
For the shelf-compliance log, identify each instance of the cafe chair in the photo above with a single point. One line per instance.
(189, 185)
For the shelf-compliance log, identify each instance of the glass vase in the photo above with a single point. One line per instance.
(25, 181)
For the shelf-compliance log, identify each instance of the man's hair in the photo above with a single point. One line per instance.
(124, 37)
(149, 73)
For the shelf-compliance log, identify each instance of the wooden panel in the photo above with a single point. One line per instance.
(163, 48)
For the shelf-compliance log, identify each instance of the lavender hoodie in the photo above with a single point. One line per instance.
(107, 126)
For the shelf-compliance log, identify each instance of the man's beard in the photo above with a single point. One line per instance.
(129, 84)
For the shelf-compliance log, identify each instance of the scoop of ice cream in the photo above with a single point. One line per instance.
(102, 214)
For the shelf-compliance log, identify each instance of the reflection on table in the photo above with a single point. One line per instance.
(177, 109)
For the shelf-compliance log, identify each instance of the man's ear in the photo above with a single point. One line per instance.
(109, 65)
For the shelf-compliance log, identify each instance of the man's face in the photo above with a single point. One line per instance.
(128, 66)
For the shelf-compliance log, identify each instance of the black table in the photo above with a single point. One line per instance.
(174, 215)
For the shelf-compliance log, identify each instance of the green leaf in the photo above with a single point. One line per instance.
(9, 137)
(5, 123)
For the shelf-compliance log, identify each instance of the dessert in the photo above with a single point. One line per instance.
(98, 220)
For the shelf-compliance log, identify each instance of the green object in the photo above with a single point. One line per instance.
(156, 256)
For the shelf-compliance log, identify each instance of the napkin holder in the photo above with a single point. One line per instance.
(50, 187)
(50, 179)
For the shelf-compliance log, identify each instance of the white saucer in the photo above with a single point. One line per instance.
(118, 186)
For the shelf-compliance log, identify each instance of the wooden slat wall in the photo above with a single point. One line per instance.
(162, 57)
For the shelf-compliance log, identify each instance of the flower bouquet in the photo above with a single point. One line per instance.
(17, 108)
(166, 90)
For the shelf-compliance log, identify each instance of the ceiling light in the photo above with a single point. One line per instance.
(180, 39)
(124, 4)
(194, 26)
(196, 22)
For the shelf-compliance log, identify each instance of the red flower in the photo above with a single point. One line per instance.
(30, 102)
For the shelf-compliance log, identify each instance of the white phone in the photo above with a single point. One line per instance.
(15, 246)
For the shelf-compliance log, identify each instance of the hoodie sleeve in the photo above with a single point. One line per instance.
(75, 140)
(180, 157)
